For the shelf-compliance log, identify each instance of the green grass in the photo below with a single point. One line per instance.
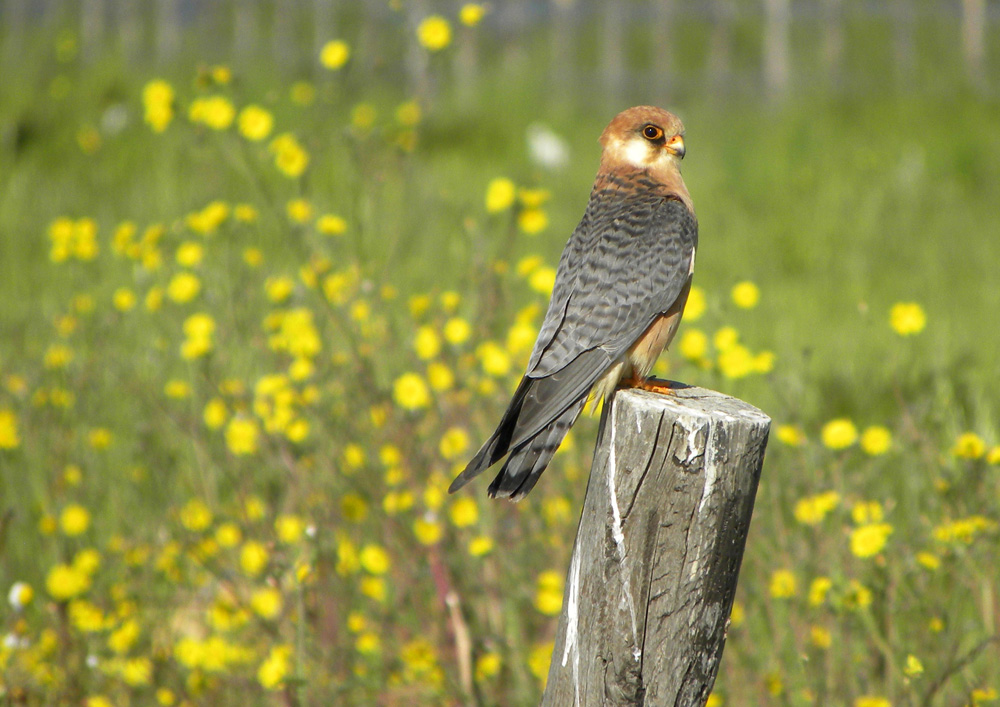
(836, 206)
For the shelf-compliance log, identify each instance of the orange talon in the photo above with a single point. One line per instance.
(653, 385)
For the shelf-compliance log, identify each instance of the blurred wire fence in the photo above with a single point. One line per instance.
(761, 46)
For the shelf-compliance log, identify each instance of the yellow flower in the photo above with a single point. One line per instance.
(57, 356)
(158, 101)
(189, 254)
(289, 155)
(354, 508)
(818, 589)
(74, 520)
(811, 510)
(539, 659)
(454, 442)
(363, 117)
(694, 344)
(434, 33)
(266, 602)
(457, 331)
(137, 671)
(963, 530)
(783, 584)
(427, 531)
(532, 221)
(876, 440)
(820, 637)
(368, 643)
(543, 280)
(548, 598)
(334, 54)
(868, 540)
(195, 515)
(215, 413)
(913, 667)
(714, 700)
(183, 287)
(480, 545)
(495, 361)
(253, 558)
(471, 14)
(867, 512)
(241, 436)
(426, 343)
(217, 112)
(228, 535)
(792, 435)
(929, 560)
(374, 559)
(487, 666)
(696, 304)
(980, 695)
(907, 318)
(255, 123)
(299, 210)
(410, 392)
(98, 701)
(331, 225)
(177, 389)
(725, 339)
(302, 93)
(440, 376)
(464, 512)
(20, 595)
(124, 637)
(279, 289)
(500, 195)
(839, 433)
(969, 445)
(374, 588)
(9, 437)
(100, 438)
(123, 299)
(289, 528)
(408, 113)
(736, 361)
(869, 701)
(858, 596)
(738, 615)
(66, 581)
(745, 295)
(275, 668)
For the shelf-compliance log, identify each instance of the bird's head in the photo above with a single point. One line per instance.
(645, 138)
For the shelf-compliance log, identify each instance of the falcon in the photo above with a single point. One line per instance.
(619, 294)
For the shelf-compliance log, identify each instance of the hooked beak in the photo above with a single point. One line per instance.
(675, 146)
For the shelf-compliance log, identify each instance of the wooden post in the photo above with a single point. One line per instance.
(658, 550)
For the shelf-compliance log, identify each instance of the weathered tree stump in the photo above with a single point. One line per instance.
(658, 550)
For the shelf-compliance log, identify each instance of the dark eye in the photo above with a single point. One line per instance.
(651, 132)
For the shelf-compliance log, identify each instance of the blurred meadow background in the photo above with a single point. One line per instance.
(269, 271)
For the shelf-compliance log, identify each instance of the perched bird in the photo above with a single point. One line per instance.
(619, 293)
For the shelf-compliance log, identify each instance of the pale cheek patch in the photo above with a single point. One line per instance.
(637, 154)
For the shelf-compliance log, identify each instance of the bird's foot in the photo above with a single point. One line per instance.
(653, 385)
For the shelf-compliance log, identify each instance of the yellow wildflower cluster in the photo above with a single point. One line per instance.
(73, 239)
(216, 112)
(158, 102)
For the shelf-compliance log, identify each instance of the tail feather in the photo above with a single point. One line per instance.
(526, 463)
(494, 449)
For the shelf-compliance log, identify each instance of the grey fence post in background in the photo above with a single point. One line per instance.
(658, 550)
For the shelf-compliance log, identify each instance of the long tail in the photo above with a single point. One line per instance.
(526, 462)
(494, 449)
